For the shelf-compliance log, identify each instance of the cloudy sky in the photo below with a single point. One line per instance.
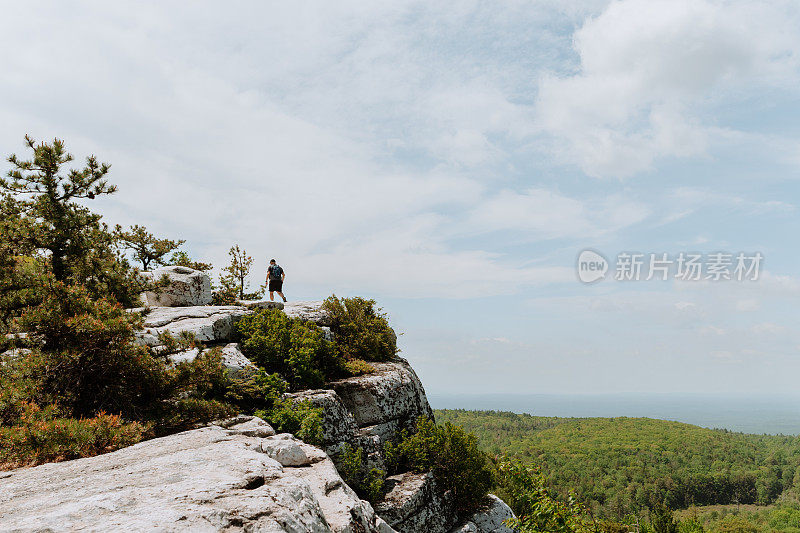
(451, 160)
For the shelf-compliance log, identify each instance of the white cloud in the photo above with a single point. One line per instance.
(543, 213)
(645, 66)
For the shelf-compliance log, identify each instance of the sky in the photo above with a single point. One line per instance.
(451, 160)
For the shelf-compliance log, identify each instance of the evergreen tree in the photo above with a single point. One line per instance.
(146, 248)
(235, 274)
(46, 233)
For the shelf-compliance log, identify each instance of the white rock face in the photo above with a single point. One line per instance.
(392, 393)
(207, 480)
(489, 520)
(232, 358)
(309, 310)
(413, 503)
(186, 287)
(208, 323)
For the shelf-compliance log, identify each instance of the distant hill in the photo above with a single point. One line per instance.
(622, 465)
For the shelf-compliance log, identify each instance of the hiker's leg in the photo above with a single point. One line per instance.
(271, 296)
(282, 296)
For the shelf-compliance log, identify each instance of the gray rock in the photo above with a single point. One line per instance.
(260, 304)
(310, 310)
(291, 452)
(208, 323)
(15, 352)
(491, 519)
(251, 427)
(206, 479)
(393, 392)
(186, 287)
(413, 503)
(232, 359)
(338, 424)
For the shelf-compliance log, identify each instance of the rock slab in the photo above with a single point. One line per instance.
(491, 519)
(210, 479)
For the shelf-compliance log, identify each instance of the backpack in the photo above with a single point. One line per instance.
(275, 272)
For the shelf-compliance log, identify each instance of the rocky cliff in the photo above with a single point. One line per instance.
(237, 475)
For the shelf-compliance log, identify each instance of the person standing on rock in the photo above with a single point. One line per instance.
(275, 277)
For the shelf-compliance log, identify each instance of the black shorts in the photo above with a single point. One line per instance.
(276, 285)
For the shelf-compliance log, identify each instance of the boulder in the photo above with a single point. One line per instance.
(209, 479)
(186, 287)
(208, 323)
(392, 393)
(413, 503)
(291, 452)
(490, 519)
(338, 424)
(308, 310)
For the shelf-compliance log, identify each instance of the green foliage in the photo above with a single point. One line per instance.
(300, 418)
(89, 361)
(181, 258)
(255, 390)
(662, 521)
(537, 509)
(43, 220)
(358, 367)
(621, 466)
(367, 482)
(235, 274)
(146, 248)
(453, 456)
(361, 330)
(294, 348)
(39, 436)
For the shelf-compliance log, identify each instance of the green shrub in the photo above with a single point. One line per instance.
(89, 361)
(361, 330)
(253, 391)
(367, 482)
(41, 437)
(524, 489)
(300, 418)
(358, 367)
(453, 456)
(296, 349)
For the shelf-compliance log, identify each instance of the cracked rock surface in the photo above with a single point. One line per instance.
(210, 479)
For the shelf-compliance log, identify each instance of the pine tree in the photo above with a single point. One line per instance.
(146, 248)
(237, 271)
(47, 198)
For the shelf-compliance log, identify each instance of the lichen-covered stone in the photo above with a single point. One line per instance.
(392, 392)
(490, 519)
(186, 287)
(414, 503)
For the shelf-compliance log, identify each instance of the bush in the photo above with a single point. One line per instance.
(366, 482)
(361, 330)
(300, 418)
(296, 349)
(453, 456)
(255, 390)
(524, 490)
(41, 437)
(358, 367)
(89, 361)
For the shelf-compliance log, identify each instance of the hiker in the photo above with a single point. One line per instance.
(275, 277)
